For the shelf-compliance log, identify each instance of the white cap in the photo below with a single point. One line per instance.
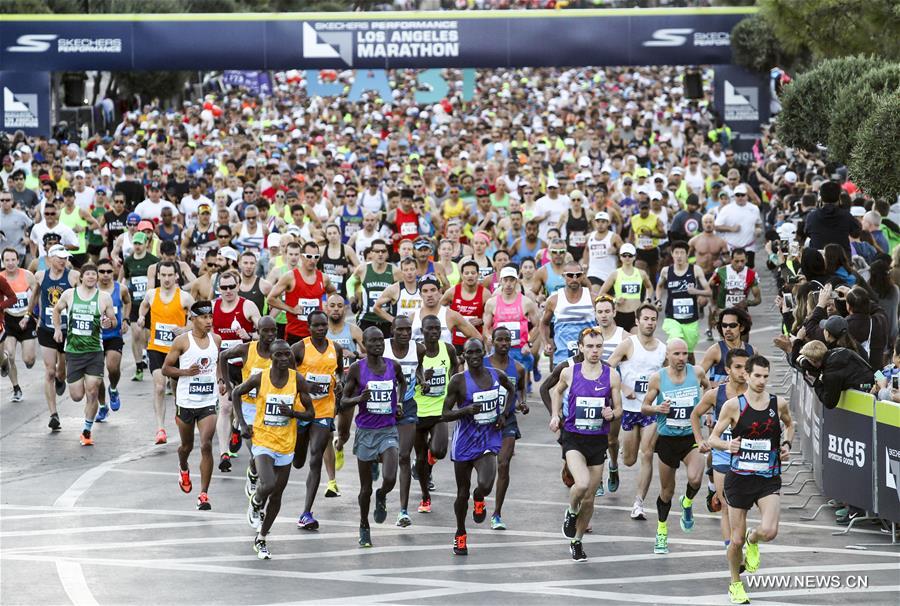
(25, 149)
(677, 171)
(628, 247)
(394, 168)
(655, 195)
(463, 155)
(584, 162)
(105, 171)
(740, 189)
(338, 179)
(229, 253)
(58, 250)
(858, 211)
(274, 240)
(79, 173)
(86, 164)
(509, 272)
(602, 216)
(787, 231)
(294, 229)
(552, 183)
(118, 164)
(790, 177)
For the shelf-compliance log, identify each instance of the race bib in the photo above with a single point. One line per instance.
(683, 309)
(379, 397)
(139, 285)
(588, 413)
(21, 302)
(577, 238)
(82, 324)
(409, 229)
(515, 331)
(63, 319)
(318, 385)
(572, 348)
(307, 306)
(644, 242)
(631, 288)
(486, 404)
(754, 455)
(437, 384)
(732, 299)
(201, 387)
(599, 250)
(680, 412)
(164, 334)
(641, 385)
(272, 417)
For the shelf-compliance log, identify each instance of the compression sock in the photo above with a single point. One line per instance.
(88, 425)
(662, 510)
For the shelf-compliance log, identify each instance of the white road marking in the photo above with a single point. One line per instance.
(72, 578)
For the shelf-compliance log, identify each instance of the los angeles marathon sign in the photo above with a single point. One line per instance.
(368, 40)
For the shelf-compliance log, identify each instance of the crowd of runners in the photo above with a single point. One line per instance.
(290, 271)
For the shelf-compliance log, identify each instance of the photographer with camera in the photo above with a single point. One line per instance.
(832, 371)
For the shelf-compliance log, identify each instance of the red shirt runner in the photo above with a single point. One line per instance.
(227, 324)
(468, 309)
(308, 297)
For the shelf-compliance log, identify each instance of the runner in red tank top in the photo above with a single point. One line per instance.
(303, 290)
(404, 220)
(467, 298)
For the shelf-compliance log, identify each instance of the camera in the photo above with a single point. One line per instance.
(788, 301)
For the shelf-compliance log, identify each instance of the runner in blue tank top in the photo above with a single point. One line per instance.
(583, 419)
(712, 401)
(511, 401)
(758, 446)
(569, 311)
(113, 341)
(376, 385)
(672, 394)
(734, 325)
(475, 395)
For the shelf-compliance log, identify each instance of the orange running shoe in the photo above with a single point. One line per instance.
(184, 482)
(479, 511)
(85, 438)
(203, 502)
(431, 460)
(425, 506)
(459, 545)
(161, 437)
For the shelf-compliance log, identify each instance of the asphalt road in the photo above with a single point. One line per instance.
(108, 525)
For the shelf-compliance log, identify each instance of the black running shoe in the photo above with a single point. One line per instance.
(225, 463)
(54, 423)
(577, 551)
(236, 441)
(569, 522)
(60, 387)
(380, 513)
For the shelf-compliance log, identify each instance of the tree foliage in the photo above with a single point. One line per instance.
(754, 45)
(876, 156)
(836, 28)
(808, 102)
(854, 104)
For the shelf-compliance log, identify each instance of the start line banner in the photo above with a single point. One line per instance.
(421, 40)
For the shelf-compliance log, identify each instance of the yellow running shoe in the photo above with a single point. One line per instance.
(338, 459)
(751, 554)
(737, 594)
(332, 490)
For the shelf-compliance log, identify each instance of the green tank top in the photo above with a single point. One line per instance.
(95, 237)
(430, 396)
(84, 324)
(455, 276)
(628, 287)
(280, 264)
(72, 219)
(136, 274)
(373, 284)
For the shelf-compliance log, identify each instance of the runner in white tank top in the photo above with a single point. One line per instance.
(408, 302)
(636, 371)
(417, 335)
(601, 256)
(200, 390)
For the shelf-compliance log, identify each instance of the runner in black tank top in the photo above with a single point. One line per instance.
(328, 266)
(577, 229)
(254, 294)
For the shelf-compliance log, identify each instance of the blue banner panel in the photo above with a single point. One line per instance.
(847, 464)
(422, 40)
(25, 103)
(742, 101)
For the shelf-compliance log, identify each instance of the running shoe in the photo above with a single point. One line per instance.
(600, 492)
(459, 545)
(161, 437)
(710, 493)
(612, 484)
(403, 520)
(115, 402)
(365, 537)
(225, 463)
(307, 522)
(479, 510)
(54, 422)
(686, 521)
(60, 387)
(250, 484)
(380, 513)
(537, 374)
(737, 594)
(497, 522)
(662, 541)
(431, 460)
(17, 394)
(567, 478)
(168, 388)
(577, 551)
(184, 480)
(637, 510)
(254, 514)
(751, 554)
(569, 521)
(425, 506)
(338, 458)
(262, 552)
(332, 490)
(102, 413)
(376, 471)
(236, 441)
(138, 375)
(85, 438)
(203, 502)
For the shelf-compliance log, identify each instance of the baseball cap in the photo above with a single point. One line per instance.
(628, 247)
(655, 195)
(204, 208)
(791, 177)
(787, 231)
(132, 219)
(509, 272)
(552, 183)
(422, 243)
(481, 191)
(274, 240)
(858, 211)
(294, 230)
(836, 326)
(154, 185)
(740, 189)
(139, 238)
(229, 253)
(58, 250)
(145, 224)
(338, 179)
(602, 216)
(51, 235)
(79, 173)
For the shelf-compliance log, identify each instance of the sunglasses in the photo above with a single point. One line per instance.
(379, 250)
(227, 286)
(573, 274)
(601, 298)
(226, 236)
(557, 251)
(592, 330)
(311, 256)
(104, 271)
(627, 255)
(730, 325)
